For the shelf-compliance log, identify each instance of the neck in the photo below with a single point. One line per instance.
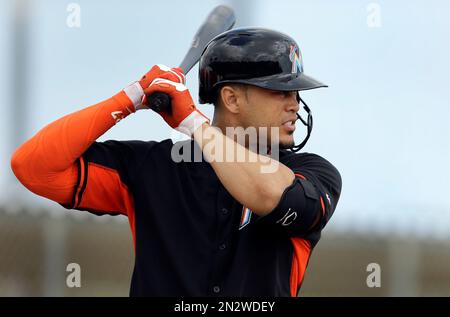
(222, 122)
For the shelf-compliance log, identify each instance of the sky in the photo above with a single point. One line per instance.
(383, 121)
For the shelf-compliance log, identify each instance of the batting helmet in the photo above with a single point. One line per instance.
(253, 56)
(259, 57)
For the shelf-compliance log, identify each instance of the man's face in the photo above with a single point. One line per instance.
(270, 108)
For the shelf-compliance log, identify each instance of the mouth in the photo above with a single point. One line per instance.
(289, 125)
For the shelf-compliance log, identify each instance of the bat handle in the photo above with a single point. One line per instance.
(160, 102)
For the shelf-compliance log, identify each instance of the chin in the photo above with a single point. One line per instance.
(287, 144)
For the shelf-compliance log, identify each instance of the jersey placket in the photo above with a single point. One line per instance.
(223, 247)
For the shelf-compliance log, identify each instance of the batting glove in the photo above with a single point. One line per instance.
(184, 117)
(135, 91)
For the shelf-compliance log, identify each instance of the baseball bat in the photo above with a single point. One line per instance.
(220, 19)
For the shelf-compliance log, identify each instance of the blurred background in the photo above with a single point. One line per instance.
(383, 122)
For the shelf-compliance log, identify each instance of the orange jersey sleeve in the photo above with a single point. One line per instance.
(50, 164)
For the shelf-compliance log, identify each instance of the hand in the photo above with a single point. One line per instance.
(135, 91)
(162, 71)
(185, 117)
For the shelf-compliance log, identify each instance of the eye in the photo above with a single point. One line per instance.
(284, 94)
(278, 93)
(289, 94)
(292, 94)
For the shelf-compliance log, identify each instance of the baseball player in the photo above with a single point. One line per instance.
(205, 227)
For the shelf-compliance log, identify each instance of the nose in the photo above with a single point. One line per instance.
(293, 103)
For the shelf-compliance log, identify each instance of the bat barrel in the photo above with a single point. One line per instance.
(221, 19)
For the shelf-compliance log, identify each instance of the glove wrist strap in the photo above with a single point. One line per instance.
(136, 95)
(191, 123)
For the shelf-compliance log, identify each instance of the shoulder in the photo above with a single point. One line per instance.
(141, 150)
(138, 146)
(305, 159)
(312, 165)
(138, 143)
(115, 153)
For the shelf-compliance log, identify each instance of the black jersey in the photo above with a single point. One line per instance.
(191, 237)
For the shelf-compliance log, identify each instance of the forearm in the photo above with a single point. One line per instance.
(245, 179)
(46, 163)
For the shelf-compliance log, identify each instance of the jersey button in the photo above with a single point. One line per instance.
(225, 211)
(222, 247)
(216, 289)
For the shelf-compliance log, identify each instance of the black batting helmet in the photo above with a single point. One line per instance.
(258, 57)
(253, 56)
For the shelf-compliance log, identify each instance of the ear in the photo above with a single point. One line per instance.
(232, 98)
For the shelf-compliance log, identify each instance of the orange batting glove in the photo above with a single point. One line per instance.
(185, 116)
(135, 91)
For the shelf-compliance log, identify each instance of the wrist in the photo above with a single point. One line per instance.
(136, 95)
(192, 123)
(124, 102)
